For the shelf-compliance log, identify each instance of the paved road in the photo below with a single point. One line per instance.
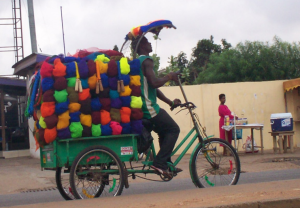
(148, 187)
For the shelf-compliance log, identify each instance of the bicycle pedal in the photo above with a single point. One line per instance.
(164, 178)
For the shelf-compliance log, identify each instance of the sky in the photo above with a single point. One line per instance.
(104, 23)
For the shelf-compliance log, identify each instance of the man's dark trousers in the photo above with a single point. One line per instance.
(168, 132)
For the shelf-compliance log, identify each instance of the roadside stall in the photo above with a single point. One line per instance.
(237, 125)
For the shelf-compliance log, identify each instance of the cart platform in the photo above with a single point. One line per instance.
(61, 153)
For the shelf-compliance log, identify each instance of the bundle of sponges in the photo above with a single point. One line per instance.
(46, 119)
(89, 96)
(53, 121)
(136, 100)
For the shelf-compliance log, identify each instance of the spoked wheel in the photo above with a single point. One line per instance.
(96, 171)
(210, 168)
(63, 183)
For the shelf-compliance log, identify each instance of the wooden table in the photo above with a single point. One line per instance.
(248, 126)
(283, 141)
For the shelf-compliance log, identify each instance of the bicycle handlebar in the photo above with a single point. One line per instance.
(187, 105)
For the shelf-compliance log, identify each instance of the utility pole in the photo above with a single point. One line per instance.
(32, 26)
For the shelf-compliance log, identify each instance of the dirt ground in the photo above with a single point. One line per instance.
(24, 173)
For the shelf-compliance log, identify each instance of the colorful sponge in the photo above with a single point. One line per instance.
(136, 102)
(59, 68)
(46, 70)
(124, 66)
(96, 130)
(50, 135)
(47, 109)
(61, 96)
(76, 129)
(116, 128)
(126, 128)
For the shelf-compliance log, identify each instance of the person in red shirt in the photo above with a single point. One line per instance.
(224, 111)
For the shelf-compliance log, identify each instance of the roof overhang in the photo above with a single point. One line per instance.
(22, 67)
(13, 86)
(291, 84)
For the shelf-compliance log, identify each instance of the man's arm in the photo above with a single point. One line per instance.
(155, 82)
(163, 98)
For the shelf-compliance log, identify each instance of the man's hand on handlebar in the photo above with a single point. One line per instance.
(187, 105)
(174, 76)
(175, 103)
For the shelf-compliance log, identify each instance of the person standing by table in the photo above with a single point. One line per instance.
(224, 111)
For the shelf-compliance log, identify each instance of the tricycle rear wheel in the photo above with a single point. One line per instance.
(96, 171)
(63, 183)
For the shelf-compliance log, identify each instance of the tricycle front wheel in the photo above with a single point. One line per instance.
(96, 171)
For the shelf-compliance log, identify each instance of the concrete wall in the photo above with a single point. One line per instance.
(256, 100)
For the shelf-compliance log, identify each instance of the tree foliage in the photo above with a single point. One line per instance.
(247, 61)
(177, 63)
(201, 55)
(253, 61)
(156, 63)
(202, 52)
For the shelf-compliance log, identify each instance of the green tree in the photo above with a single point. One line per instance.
(201, 55)
(170, 68)
(181, 61)
(202, 51)
(176, 64)
(253, 61)
(225, 45)
(156, 62)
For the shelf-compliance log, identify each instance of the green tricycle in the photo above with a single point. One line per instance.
(100, 166)
(96, 166)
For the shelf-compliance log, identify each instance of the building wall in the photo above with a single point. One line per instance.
(256, 100)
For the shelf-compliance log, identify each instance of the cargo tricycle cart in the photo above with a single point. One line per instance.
(89, 167)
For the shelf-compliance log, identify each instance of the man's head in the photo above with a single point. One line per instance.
(144, 48)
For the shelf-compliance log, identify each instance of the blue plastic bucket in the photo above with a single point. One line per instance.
(239, 134)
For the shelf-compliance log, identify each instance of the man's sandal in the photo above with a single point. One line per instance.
(160, 171)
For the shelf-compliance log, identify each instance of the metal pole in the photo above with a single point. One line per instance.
(21, 27)
(15, 30)
(2, 120)
(32, 26)
(234, 123)
(191, 113)
(62, 27)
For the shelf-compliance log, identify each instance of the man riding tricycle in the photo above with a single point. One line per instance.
(94, 113)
